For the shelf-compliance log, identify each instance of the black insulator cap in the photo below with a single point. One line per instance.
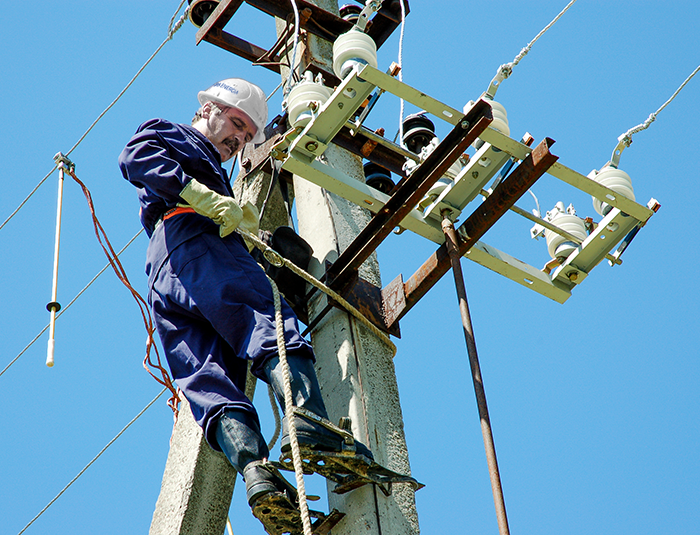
(418, 132)
(350, 12)
(200, 11)
(378, 177)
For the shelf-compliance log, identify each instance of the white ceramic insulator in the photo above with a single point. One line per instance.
(500, 118)
(434, 192)
(303, 99)
(351, 48)
(618, 181)
(558, 246)
(454, 170)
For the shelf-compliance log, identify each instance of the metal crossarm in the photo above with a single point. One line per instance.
(313, 19)
(409, 193)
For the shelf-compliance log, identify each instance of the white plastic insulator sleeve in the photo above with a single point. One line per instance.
(302, 100)
(50, 352)
(500, 118)
(558, 246)
(618, 181)
(353, 47)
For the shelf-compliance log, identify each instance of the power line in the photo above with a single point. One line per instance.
(504, 71)
(652, 117)
(93, 460)
(171, 32)
(69, 304)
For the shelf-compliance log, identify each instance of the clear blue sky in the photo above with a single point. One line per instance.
(594, 403)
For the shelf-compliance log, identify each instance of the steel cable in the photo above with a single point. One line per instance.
(171, 32)
(93, 460)
(65, 308)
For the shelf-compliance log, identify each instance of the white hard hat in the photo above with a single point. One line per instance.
(242, 95)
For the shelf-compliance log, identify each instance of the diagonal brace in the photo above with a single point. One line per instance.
(408, 194)
(476, 225)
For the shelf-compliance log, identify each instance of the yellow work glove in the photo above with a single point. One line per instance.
(221, 209)
(250, 222)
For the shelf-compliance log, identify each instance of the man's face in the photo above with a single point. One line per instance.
(229, 129)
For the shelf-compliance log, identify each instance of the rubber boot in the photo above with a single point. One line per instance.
(306, 393)
(271, 497)
(239, 437)
(262, 479)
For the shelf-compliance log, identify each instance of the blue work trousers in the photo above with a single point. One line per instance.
(214, 310)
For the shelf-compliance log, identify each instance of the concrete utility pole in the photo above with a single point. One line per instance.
(355, 368)
(195, 495)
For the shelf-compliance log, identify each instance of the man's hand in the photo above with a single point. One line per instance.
(221, 209)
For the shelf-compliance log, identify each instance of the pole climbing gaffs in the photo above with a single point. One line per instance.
(63, 163)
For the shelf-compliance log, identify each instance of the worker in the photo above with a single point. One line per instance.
(212, 304)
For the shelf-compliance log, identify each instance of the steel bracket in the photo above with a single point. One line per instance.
(316, 21)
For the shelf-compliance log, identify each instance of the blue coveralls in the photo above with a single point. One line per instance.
(212, 304)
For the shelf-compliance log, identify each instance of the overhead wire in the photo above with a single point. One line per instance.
(505, 70)
(527, 48)
(627, 136)
(93, 460)
(65, 308)
(171, 32)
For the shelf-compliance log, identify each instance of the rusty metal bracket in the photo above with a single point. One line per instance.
(475, 226)
(371, 300)
(256, 158)
(408, 194)
(317, 21)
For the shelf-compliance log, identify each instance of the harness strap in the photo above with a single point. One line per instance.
(177, 210)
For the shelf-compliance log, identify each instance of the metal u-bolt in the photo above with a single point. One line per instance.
(451, 242)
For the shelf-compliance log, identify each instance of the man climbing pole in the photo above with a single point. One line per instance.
(213, 305)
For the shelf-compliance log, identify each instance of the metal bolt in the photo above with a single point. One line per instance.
(573, 276)
(340, 105)
(464, 124)
(475, 174)
(311, 146)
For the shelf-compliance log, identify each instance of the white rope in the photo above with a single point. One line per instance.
(171, 33)
(402, 103)
(65, 308)
(289, 411)
(627, 136)
(93, 460)
(294, 47)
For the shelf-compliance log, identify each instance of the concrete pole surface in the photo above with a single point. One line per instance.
(354, 367)
(197, 486)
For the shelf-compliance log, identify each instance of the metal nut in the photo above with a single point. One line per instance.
(311, 146)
